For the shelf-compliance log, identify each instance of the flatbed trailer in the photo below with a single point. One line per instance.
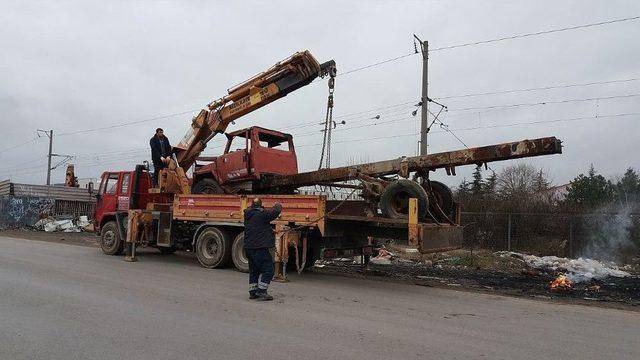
(212, 227)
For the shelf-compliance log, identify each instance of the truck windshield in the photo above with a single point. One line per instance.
(273, 141)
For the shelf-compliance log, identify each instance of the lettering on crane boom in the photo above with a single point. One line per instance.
(242, 104)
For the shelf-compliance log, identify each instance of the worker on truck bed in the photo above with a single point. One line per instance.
(160, 153)
(258, 240)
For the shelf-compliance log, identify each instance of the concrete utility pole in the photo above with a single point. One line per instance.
(50, 135)
(424, 123)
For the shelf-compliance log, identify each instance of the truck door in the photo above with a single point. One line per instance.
(107, 200)
(234, 164)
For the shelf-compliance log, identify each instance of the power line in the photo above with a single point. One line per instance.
(502, 92)
(536, 33)
(481, 42)
(18, 145)
(546, 102)
(376, 64)
(160, 117)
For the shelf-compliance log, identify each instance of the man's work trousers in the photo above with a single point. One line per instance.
(260, 269)
(157, 166)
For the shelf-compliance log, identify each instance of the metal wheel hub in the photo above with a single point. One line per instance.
(109, 239)
(211, 248)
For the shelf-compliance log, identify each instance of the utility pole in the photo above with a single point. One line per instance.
(424, 115)
(50, 135)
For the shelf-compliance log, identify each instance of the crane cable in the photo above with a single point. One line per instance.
(329, 124)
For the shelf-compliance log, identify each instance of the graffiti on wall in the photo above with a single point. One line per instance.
(16, 211)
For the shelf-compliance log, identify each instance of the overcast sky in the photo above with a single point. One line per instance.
(71, 66)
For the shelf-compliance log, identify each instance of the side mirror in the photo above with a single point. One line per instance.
(97, 196)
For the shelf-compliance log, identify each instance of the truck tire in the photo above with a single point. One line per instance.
(207, 186)
(238, 255)
(394, 201)
(213, 248)
(441, 195)
(110, 241)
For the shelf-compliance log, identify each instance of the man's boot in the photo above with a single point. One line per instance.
(263, 296)
(253, 294)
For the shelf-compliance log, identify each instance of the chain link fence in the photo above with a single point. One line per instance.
(603, 235)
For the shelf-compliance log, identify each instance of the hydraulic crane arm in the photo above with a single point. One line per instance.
(281, 79)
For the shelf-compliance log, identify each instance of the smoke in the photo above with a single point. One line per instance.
(608, 234)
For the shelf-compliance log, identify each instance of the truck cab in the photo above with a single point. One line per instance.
(121, 191)
(249, 155)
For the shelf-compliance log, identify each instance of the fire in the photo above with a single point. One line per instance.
(561, 283)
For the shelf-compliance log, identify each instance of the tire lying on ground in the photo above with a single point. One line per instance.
(207, 186)
(110, 241)
(394, 201)
(213, 248)
(238, 255)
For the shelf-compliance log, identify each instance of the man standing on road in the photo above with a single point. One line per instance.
(160, 153)
(258, 239)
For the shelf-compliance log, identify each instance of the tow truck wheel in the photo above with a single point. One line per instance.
(394, 201)
(238, 255)
(213, 248)
(110, 241)
(207, 186)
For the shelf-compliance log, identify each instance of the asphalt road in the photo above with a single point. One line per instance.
(66, 302)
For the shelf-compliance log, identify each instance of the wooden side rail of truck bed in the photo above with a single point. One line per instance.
(297, 210)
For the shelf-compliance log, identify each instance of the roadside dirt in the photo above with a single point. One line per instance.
(480, 271)
(484, 271)
(71, 238)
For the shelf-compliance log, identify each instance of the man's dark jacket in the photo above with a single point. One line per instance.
(159, 148)
(257, 228)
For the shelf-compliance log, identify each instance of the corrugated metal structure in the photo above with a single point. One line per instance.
(44, 191)
(24, 202)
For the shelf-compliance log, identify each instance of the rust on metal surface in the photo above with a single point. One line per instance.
(413, 222)
(449, 159)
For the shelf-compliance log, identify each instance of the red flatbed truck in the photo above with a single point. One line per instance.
(211, 225)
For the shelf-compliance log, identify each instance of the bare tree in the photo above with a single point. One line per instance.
(519, 182)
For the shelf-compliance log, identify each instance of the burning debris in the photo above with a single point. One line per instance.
(561, 283)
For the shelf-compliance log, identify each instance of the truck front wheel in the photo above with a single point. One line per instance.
(213, 248)
(238, 254)
(110, 241)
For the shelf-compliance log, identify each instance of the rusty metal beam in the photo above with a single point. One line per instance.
(449, 159)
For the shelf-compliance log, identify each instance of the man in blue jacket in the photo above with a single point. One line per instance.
(258, 239)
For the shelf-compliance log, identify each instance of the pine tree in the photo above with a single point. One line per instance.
(628, 188)
(590, 191)
(477, 185)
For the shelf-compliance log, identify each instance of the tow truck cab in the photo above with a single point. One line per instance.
(121, 191)
(250, 154)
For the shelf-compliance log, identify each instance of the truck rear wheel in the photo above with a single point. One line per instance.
(110, 241)
(394, 201)
(238, 254)
(213, 248)
(207, 186)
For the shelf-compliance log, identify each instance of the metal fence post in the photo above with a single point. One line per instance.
(571, 236)
(509, 234)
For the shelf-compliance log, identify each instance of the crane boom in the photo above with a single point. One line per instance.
(284, 77)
